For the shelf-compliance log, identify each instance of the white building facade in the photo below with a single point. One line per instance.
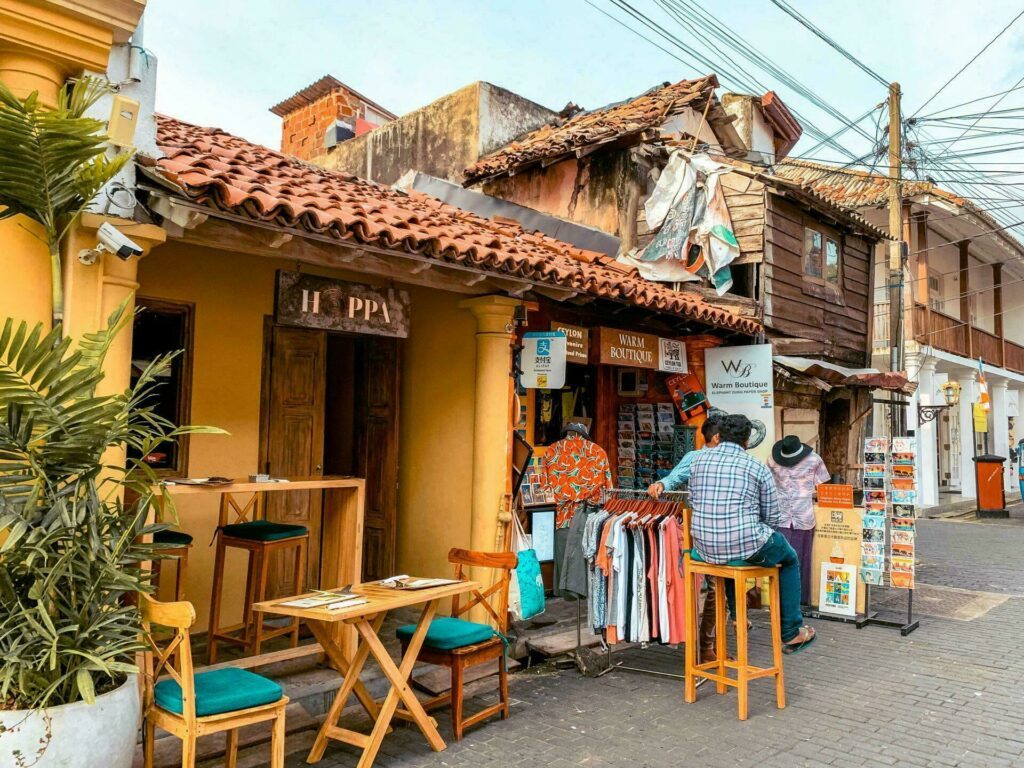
(963, 298)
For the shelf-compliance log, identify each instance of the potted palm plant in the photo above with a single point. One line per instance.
(71, 557)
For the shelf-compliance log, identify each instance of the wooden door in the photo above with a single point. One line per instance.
(377, 406)
(294, 444)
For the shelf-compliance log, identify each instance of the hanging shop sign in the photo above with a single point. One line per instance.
(740, 381)
(628, 348)
(311, 301)
(543, 360)
(577, 342)
(672, 356)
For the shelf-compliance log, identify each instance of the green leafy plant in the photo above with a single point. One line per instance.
(52, 163)
(69, 545)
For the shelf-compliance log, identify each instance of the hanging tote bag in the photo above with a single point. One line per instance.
(526, 588)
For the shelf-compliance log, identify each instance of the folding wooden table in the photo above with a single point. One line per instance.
(367, 620)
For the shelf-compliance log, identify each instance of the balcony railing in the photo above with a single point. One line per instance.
(950, 334)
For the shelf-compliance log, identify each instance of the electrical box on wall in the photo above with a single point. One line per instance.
(124, 117)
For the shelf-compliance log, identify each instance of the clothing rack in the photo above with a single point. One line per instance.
(630, 494)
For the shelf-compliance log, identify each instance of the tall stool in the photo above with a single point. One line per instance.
(260, 538)
(176, 545)
(718, 670)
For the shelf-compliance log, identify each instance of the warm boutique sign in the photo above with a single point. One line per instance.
(312, 301)
(628, 348)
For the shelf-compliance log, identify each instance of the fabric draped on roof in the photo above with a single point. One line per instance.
(227, 173)
(635, 116)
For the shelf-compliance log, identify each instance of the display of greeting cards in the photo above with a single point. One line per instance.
(890, 495)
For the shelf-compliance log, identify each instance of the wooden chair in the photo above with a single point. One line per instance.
(260, 539)
(718, 670)
(460, 644)
(190, 705)
(173, 545)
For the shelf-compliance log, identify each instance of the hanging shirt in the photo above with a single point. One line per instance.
(796, 487)
(576, 470)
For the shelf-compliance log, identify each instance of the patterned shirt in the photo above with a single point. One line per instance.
(796, 490)
(576, 470)
(735, 504)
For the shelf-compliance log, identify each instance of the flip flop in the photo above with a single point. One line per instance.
(791, 647)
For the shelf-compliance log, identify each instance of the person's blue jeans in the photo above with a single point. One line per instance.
(777, 551)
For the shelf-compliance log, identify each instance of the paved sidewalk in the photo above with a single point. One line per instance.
(948, 695)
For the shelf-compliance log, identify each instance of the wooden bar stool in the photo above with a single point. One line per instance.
(718, 670)
(260, 539)
(176, 545)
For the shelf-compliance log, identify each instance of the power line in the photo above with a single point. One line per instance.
(792, 12)
(996, 104)
(965, 103)
(965, 66)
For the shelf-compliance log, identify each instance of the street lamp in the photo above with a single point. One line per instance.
(950, 393)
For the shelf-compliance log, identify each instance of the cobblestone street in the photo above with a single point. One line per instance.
(947, 695)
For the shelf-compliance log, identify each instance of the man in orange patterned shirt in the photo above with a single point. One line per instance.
(576, 470)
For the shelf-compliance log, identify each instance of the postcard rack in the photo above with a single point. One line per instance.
(896, 413)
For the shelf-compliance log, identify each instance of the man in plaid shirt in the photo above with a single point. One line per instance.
(735, 509)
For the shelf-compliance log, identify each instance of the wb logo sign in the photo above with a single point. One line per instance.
(738, 369)
(543, 347)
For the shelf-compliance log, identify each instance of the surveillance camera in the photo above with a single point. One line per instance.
(114, 241)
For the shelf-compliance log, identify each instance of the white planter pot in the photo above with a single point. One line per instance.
(79, 735)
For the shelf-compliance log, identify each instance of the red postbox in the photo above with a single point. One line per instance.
(988, 471)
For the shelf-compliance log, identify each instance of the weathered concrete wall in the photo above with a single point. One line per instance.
(602, 190)
(440, 139)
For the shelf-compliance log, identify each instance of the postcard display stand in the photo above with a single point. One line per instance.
(890, 524)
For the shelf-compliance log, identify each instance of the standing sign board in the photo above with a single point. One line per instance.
(740, 380)
(577, 342)
(838, 533)
(543, 360)
(311, 301)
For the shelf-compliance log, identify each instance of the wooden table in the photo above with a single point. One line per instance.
(341, 543)
(367, 620)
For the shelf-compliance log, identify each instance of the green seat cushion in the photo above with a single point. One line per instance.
(175, 538)
(695, 556)
(220, 690)
(446, 633)
(263, 530)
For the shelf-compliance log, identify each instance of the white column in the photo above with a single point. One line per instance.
(927, 443)
(1001, 428)
(968, 485)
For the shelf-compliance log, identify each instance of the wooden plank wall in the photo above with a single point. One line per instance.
(796, 308)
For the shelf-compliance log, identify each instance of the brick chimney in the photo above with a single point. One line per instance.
(323, 115)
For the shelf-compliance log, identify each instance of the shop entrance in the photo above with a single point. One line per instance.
(330, 407)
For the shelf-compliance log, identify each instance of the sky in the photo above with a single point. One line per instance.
(225, 63)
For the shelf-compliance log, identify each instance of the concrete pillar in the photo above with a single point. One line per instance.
(968, 486)
(492, 414)
(927, 442)
(1001, 428)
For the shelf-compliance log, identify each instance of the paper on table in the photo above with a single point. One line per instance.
(323, 600)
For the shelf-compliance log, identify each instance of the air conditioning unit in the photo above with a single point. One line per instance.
(338, 132)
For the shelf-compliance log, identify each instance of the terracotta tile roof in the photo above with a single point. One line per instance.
(618, 121)
(319, 89)
(852, 188)
(227, 173)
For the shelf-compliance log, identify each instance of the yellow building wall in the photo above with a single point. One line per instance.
(232, 293)
(435, 466)
(28, 296)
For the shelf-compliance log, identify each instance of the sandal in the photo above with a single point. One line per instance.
(804, 638)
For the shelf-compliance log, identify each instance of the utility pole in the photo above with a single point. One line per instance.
(895, 245)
